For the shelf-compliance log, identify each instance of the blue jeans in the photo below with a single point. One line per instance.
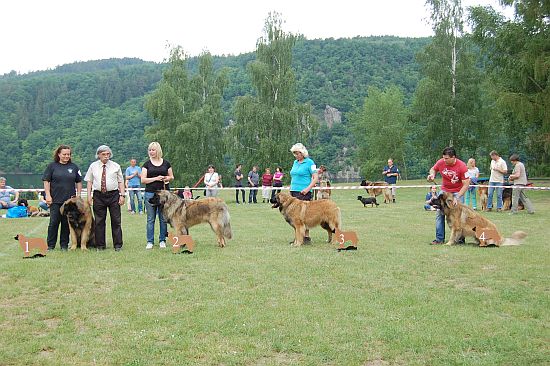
(492, 187)
(135, 194)
(440, 222)
(152, 212)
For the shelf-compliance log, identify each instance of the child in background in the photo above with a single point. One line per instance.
(473, 173)
(431, 194)
(187, 194)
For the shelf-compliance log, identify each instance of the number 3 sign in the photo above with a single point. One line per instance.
(179, 241)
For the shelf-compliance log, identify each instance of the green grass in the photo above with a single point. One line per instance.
(396, 300)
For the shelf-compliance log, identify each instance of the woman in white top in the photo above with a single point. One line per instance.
(473, 173)
(211, 180)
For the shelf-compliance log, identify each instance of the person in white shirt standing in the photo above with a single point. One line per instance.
(519, 177)
(211, 181)
(106, 179)
(496, 180)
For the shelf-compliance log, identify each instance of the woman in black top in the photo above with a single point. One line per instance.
(60, 179)
(156, 174)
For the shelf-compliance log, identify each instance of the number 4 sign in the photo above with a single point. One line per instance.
(179, 241)
(485, 235)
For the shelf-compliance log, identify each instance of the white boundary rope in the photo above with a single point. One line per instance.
(314, 188)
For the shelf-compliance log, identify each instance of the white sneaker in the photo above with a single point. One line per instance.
(149, 246)
(162, 245)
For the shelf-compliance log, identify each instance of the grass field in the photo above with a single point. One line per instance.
(396, 300)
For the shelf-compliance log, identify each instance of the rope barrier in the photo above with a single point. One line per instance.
(315, 188)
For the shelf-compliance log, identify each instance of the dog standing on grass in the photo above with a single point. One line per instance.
(368, 200)
(302, 215)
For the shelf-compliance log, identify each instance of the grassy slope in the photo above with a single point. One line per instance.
(259, 301)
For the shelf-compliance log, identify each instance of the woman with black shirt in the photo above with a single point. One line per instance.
(60, 179)
(156, 174)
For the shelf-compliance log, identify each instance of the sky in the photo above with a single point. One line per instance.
(40, 35)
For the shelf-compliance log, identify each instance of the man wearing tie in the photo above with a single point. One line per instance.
(106, 179)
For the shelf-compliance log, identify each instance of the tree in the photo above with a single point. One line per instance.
(189, 116)
(517, 55)
(267, 124)
(380, 131)
(447, 101)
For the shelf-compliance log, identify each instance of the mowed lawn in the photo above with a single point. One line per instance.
(396, 300)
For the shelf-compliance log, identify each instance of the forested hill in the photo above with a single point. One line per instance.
(85, 104)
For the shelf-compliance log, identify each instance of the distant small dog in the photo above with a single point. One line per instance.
(373, 192)
(483, 197)
(368, 200)
(344, 236)
(32, 211)
(28, 244)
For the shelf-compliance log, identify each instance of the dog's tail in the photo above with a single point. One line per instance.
(516, 239)
(226, 223)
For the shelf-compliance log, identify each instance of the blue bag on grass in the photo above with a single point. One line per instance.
(16, 212)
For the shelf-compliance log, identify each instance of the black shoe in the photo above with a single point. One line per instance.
(118, 249)
(394, 200)
(307, 240)
(436, 242)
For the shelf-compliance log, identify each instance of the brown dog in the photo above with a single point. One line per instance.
(483, 197)
(343, 236)
(373, 192)
(183, 214)
(302, 215)
(28, 244)
(81, 222)
(465, 222)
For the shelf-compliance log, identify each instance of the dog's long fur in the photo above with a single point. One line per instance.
(373, 192)
(183, 214)
(302, 215)
(464, 221)
(81, 223)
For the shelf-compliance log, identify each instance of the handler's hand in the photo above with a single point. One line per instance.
(430, 178)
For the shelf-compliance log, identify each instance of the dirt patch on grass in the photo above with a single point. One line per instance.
(279, 358)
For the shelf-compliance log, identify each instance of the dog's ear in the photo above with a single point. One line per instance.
(449, 201)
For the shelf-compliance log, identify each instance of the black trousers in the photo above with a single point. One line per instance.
(239, 188)
(56, 219)
(102, 202)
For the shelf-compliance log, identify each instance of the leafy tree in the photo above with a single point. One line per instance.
(380, 131)
(446, 104)
(189, 116)
(517, 55)
(267, 124)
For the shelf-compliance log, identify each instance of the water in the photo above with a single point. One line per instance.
(19, 181)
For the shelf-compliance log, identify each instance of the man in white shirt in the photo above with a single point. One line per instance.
(519, 177)
(106, 179)
(496, 181)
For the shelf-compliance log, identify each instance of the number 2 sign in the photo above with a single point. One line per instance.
(179, 241)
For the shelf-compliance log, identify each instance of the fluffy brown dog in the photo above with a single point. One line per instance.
(302, 215)
(81, 222)
(373, 192)
(183, 214)
(483, 197)
(28, 244)
(465, 222)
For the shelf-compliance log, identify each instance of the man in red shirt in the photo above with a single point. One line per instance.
(455, 179)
